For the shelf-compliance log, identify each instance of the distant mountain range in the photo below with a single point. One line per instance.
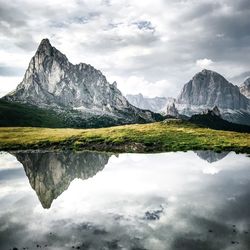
(57, 93)
(205, 90)
(156, 104)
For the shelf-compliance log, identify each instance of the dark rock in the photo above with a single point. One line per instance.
(153, 214)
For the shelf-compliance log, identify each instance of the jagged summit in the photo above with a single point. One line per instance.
(209, 88)
(51, 81)
(45, 43)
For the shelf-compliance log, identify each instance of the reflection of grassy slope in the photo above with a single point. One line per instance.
(155, 137)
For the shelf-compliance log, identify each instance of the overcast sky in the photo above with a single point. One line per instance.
(150, 46)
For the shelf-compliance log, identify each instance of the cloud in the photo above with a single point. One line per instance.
(240, 78)
(10, 71)
(204, 63)
(7, 84)
(135, 85)
(132, 38)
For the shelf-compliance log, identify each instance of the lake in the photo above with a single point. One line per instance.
(89, 200)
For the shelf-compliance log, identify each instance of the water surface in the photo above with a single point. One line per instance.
(88, 200)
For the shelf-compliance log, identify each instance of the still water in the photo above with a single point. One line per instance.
(89, 200)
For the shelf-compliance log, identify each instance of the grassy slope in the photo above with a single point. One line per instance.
(25, 115)
(155, 137)
(15, 114)
(215, 122)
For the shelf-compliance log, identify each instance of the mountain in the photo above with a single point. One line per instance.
(245, 88)
(50, 173)
(154, 104)
(208, 89)
(212, 119)
(51, 82)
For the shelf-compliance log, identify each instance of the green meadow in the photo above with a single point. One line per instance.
(171, 135)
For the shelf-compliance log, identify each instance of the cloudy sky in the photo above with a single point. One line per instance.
(150, 46)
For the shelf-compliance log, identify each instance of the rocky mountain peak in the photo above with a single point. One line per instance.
(44, 45)
(209, 77)
(46, 53)
(52, 82)
(208, 88)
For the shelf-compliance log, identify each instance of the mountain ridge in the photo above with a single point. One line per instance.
(155, 104)
(206, 90)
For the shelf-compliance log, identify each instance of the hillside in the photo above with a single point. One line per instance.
(26, 115)
(210, 120)
(169, 135)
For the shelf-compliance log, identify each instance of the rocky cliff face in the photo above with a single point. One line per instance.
(245, 88)
(208, 89)
(50, 173)
(51, 81)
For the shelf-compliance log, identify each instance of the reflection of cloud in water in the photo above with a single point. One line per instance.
(108, 211)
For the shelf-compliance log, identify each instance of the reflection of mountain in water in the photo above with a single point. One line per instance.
(50, 173)
(211, 156)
